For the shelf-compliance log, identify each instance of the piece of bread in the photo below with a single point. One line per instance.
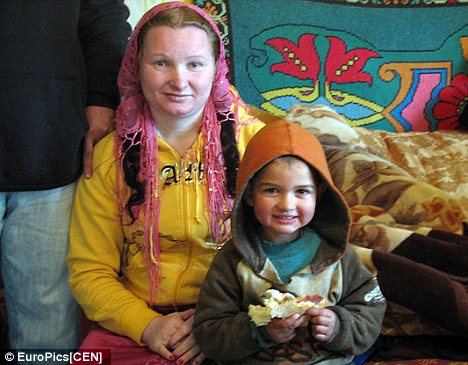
(282, 305)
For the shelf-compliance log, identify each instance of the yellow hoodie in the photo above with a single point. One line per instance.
(108, 274)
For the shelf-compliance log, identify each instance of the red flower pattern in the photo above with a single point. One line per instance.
(300, 61)
(343, 67)
(452, 99)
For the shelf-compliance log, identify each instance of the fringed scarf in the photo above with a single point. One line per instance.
(135, 126)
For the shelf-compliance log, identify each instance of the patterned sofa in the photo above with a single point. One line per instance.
(409, 205)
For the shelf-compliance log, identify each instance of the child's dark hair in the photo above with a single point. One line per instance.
(291, 159)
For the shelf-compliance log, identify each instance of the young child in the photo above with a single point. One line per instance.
(290, 227)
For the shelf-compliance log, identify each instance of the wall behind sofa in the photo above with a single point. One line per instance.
(391, 65)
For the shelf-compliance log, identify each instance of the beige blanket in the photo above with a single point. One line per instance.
(408, 194)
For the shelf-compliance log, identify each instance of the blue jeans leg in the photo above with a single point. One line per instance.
(42, 313)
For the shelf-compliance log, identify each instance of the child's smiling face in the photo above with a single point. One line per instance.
(283, 196)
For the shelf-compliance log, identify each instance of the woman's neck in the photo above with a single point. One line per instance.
(180, 134)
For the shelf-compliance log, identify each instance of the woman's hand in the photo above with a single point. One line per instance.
(323, 323)
(171, 337)
(284, 330)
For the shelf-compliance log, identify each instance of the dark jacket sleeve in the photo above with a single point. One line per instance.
(104, 32)
(360, 311)
(222, 326)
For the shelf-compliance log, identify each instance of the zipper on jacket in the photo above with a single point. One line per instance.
(186, 231)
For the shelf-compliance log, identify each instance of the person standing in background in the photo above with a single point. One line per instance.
(58, 71)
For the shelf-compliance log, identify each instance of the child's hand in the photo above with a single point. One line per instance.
(284, 330)
(323, 323)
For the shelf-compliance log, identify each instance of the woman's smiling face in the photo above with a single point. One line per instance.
(176, 69)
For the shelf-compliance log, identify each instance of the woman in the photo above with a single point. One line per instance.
(146, 226)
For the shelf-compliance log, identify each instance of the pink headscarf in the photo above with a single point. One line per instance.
(134, 118)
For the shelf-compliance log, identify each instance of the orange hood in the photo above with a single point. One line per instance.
(331, 220)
